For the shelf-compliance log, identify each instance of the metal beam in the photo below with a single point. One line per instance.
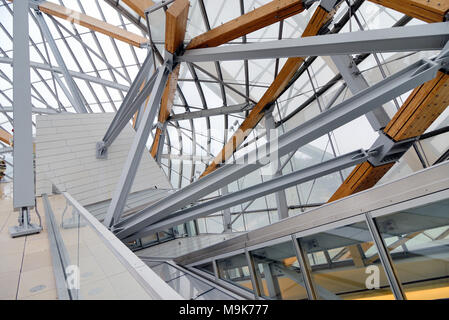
(319, 19)
(212, 112)
(350, 109)
(254, 192)
(410, 38)
(132, 101)
(74, 96)
(136, 151)
(74, 74)
(378, 118)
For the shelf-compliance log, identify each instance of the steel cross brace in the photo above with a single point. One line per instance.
(350, 109)
(274, 185)
(74, 95)
(131, 103)
(137, 148)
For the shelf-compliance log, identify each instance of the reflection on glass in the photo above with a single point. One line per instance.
(278, 273)
(207, 267)
(95, 271)
(345, 264)
(418, 242)
(235, 269)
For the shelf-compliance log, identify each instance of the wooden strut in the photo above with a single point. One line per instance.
(418, 112)
(175, 28)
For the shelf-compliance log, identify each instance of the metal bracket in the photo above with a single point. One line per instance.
(308, 3)
(387, 150)
(328, 5)
(158, 6)
(101, 150)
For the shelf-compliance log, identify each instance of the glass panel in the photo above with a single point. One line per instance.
(345, 264)
(418, 241)
(278, 272)
(101, 273)
(235, 269)
(207, 267)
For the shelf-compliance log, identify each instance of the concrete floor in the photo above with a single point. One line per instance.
(26, 270)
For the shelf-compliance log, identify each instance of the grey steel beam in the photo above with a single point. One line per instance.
(355, 81)
(431, 36)
(136, 151)
(350, 109)
(23, 181)
(132, 101)
(74, 96)
(212, 112)
(226, 212)
(254, 192)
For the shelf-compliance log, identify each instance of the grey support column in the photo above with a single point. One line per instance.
(23, 181)
(281, 199)
(226, 213)
(136, 151)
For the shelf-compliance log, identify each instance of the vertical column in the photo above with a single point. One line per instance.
(385, 258)
(305, 269)
(252, 271)
(226, 213)
(23, 181)
(281, 199)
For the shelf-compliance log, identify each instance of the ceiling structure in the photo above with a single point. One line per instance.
(217, 104)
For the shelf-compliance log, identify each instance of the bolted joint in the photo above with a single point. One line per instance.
(386, 150)
(171, 60)
(101, 150)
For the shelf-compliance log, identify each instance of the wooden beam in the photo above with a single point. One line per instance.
(139, 6)
(5, 137)
(418, 112)
(363, 177)
(175, 29)
(256, 19)
(92, 23)
(175, 24)
(426, 10)
(319, 18)
(420, 109)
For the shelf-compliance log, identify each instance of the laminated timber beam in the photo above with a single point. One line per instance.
(139, 6)
(5, 137)
(175, 29)
(320, 18)
(92, 23)
(418, 112)
(426, 10)
(261, 17)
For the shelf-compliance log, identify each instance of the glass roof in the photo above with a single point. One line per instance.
(103, 69)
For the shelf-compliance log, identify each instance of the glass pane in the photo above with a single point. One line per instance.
(418, 241)
(235, 269)
(207, 267)
(278, 272)
(345, 264)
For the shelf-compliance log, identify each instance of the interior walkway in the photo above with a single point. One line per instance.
(26, 270)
